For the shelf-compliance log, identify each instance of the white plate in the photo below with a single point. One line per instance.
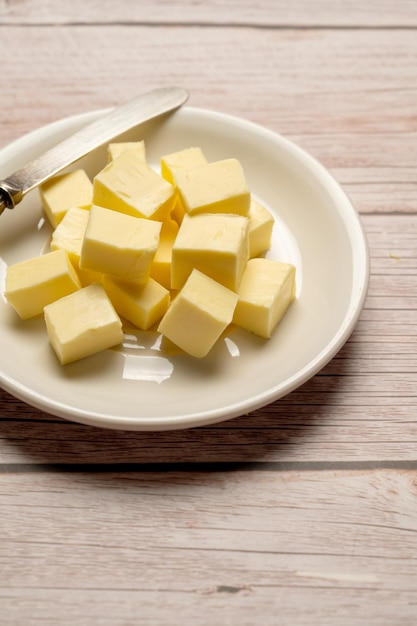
(139, 387)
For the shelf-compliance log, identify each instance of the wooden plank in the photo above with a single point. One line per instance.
(327, 91)
(325, 421)
(312, 81)
(377, 13)
(319, 433)
(229, 545)
(227, 603)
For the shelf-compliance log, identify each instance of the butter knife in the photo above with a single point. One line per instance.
(117, 121)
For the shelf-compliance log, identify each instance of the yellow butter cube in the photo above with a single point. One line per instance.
(266, 290)
(218, 187)
(69, 236)
(82, 324)
(171, 163)
(130, 186)
(61, 192)
(32, 284)
(143, 305)
(198, 315)
(119, 245)
(261, 224)
(183, 159)
(114, 150)
(215, 244)
(161, 265)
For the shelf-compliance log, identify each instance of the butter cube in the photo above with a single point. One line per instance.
(130, 186)
(119, 245)
(218, 187)
(69, 236)
(143, 305)
(61, 192)
(198, 315)
(215, 244)
(183, 159)
(261, 224)
(266, 291)
(115, 149)
(34, 283)
(171, 163)
(161, 265)
(82, 324)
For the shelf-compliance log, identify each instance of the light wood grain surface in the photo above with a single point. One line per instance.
(303, 512)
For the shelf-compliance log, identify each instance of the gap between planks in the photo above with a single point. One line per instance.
(209, 467)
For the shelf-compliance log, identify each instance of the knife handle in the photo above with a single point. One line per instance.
(10, 195)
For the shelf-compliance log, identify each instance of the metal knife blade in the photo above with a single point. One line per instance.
(96, 134)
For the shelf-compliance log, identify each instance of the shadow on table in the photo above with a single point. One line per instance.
(281, 432)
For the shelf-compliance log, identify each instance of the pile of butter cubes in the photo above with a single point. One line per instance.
(178, 250)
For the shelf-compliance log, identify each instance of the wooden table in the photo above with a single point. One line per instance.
(304, 512)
